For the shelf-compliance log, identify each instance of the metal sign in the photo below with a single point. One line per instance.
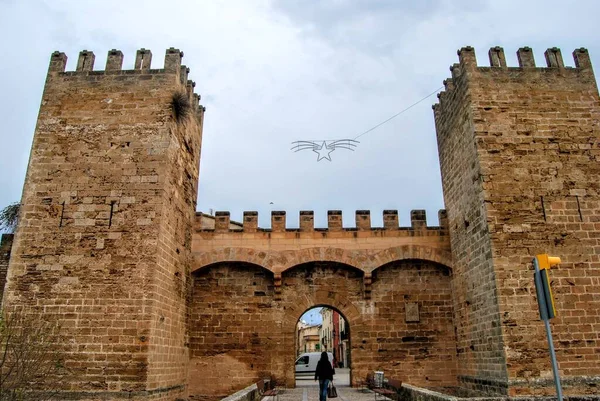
(324, 148)
(544, 293)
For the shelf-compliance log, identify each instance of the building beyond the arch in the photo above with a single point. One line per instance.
(159, 302)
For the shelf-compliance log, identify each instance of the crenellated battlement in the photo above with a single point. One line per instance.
(221, 223)
(114, 66)
(467, 69)
(114, 62)
(525, 58)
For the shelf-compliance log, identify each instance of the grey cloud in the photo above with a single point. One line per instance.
(274, 72)
(330, 14)
(372, 26)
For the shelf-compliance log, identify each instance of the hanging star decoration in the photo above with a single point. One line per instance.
(324, 148)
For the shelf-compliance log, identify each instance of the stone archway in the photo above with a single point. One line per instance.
(411, 252)
(416, 295)
(315, 283)
(280, 261)
(232, 318)
(242, 323)
(339, 341)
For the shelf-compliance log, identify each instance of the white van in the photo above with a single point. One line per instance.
(306, 364)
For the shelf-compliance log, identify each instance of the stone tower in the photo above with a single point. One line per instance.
(520, 160)
(104, 237)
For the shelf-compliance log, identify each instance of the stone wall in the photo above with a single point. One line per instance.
(363, 247)
(207, 222)
(255, 266)
(479, 336)
(158, 303)
(241, 329)
(102, 245)
(528, 138)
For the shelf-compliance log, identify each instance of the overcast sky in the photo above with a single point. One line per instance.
(272, 72)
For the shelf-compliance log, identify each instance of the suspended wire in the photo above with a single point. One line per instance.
(400, 112)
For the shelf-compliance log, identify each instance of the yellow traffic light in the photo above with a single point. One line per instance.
(546, 262)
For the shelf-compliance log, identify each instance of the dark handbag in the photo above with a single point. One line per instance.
(331, 391)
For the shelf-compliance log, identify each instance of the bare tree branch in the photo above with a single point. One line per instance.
(30, 358)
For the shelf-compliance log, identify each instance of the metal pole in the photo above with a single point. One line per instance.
(542, 303)
(554, 363)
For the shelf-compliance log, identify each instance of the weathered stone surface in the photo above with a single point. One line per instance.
(103, 242)
(519, 153)
(158, 303)
(238, 326)
(6, 242)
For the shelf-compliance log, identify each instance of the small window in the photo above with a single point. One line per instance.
(302, 361)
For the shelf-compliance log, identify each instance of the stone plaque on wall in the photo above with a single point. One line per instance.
(412, 312)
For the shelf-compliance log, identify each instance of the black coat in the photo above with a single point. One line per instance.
(324, 370)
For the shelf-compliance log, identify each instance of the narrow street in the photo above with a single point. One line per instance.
(308, 390)
(341, 379)
(311, 393)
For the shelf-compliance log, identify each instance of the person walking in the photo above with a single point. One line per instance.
(324, 374)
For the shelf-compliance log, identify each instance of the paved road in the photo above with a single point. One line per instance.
(308, 390)
(311, 393)
(341, 378)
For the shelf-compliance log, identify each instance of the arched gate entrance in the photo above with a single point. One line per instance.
(241, 329)
(331, 333)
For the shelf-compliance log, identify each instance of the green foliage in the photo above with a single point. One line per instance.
(9, 217)
(31, 363)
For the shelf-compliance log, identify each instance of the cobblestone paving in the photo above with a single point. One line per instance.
(312, 394)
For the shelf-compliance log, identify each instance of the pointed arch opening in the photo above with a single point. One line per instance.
(322, 328)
